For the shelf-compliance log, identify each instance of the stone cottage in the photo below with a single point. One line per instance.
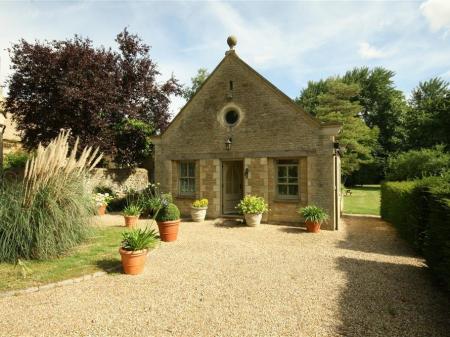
(241, 135)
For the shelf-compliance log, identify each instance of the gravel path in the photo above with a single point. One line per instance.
(241, 281)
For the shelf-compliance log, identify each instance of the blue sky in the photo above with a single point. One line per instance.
(287, 42)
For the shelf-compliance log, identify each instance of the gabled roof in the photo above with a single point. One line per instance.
(232, 54)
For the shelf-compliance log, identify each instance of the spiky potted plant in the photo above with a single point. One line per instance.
(168, 220)
(253, 208)
(198, 210)
(135, 247)
(131, 214)
(314, 216)
(101, 202)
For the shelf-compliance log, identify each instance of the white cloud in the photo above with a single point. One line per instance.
(368, 51)
(437, 13)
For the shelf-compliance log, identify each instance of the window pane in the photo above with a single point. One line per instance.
(292, 171)
(183, 185)
(282, 189)
(282, 170)
(288, 162)
(191, 169)
(183, 170)
(292, 181)
(293, 190)
(282, 180)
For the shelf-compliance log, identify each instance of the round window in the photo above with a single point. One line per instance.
(231, 117)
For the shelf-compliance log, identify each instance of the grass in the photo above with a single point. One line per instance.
(364, 200)
(98, 253)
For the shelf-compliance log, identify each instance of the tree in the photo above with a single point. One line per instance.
(383, 106)
(338, 104)
(106, 98)
(428, 120)
(196, 82)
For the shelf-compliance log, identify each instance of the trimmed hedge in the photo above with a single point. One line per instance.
(420, 210)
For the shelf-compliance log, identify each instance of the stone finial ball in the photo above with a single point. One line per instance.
(232, 41)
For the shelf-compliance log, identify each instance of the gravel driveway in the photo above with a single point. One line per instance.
(241, 281)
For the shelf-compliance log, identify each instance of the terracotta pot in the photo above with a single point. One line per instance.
(101, 210)
(168, 230)
(131, 220)
(313, 227)
(198, 214)
(133, 263)
(252, 219)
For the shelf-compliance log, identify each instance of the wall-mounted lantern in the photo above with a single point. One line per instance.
(228, 144)
(246, 172)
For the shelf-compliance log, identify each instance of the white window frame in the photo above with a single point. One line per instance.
(295, 163)
(185, 176)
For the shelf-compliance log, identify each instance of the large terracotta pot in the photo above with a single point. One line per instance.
(131, 220)
(133, 263)
(101, 210)
(198, 214)
(253, 219)
(168, 230)
(313, 227)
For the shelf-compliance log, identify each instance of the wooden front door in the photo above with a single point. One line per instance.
(232, 185)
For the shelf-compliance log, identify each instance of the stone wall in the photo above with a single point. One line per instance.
(119, 180)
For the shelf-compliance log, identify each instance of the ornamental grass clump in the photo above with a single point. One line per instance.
(48, 212)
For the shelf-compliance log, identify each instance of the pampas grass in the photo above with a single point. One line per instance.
(48, 212)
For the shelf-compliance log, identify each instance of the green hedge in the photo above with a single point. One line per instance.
(420, 210)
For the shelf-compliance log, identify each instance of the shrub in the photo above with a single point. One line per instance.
(168, 213)
(313, 214)
(417, 164)
(15, 160)
(420, 210)
(200, 203)
(47, 213)
(139, 239)
(252, 204)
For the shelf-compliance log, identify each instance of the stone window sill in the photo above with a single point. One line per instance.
(185, 196)
(288, 201)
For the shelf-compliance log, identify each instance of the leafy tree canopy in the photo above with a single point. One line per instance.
(428, 120)
(337, 103)
(196, 82)
(107, 98)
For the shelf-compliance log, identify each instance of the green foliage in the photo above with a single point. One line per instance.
(139, 239)
(101, 199)
(418, 164)
(196, 83)
(428, 120)
(313, 213)
(420, 210)
(15, 160)
(337, 102)
(132, 210)
(200, 203)
(252, 204)
(55, 221)
(168, 213)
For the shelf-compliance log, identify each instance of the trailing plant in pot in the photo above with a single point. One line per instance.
(101, 202)
(314, 216)
(253, 208)
(131, 214)
(168, 219)
(198, 210)
(134, 249)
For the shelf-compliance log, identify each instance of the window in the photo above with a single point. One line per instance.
(287, 179)
(187, 178)
(231, 117)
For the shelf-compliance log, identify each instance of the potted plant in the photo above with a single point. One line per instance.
(253, 208)
(168, 220)
(131, 214)
(314, 216)
(134, 249)
(101, 202)
(198, 210)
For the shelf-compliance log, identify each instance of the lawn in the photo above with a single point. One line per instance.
(363, 200)
(98, 253)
